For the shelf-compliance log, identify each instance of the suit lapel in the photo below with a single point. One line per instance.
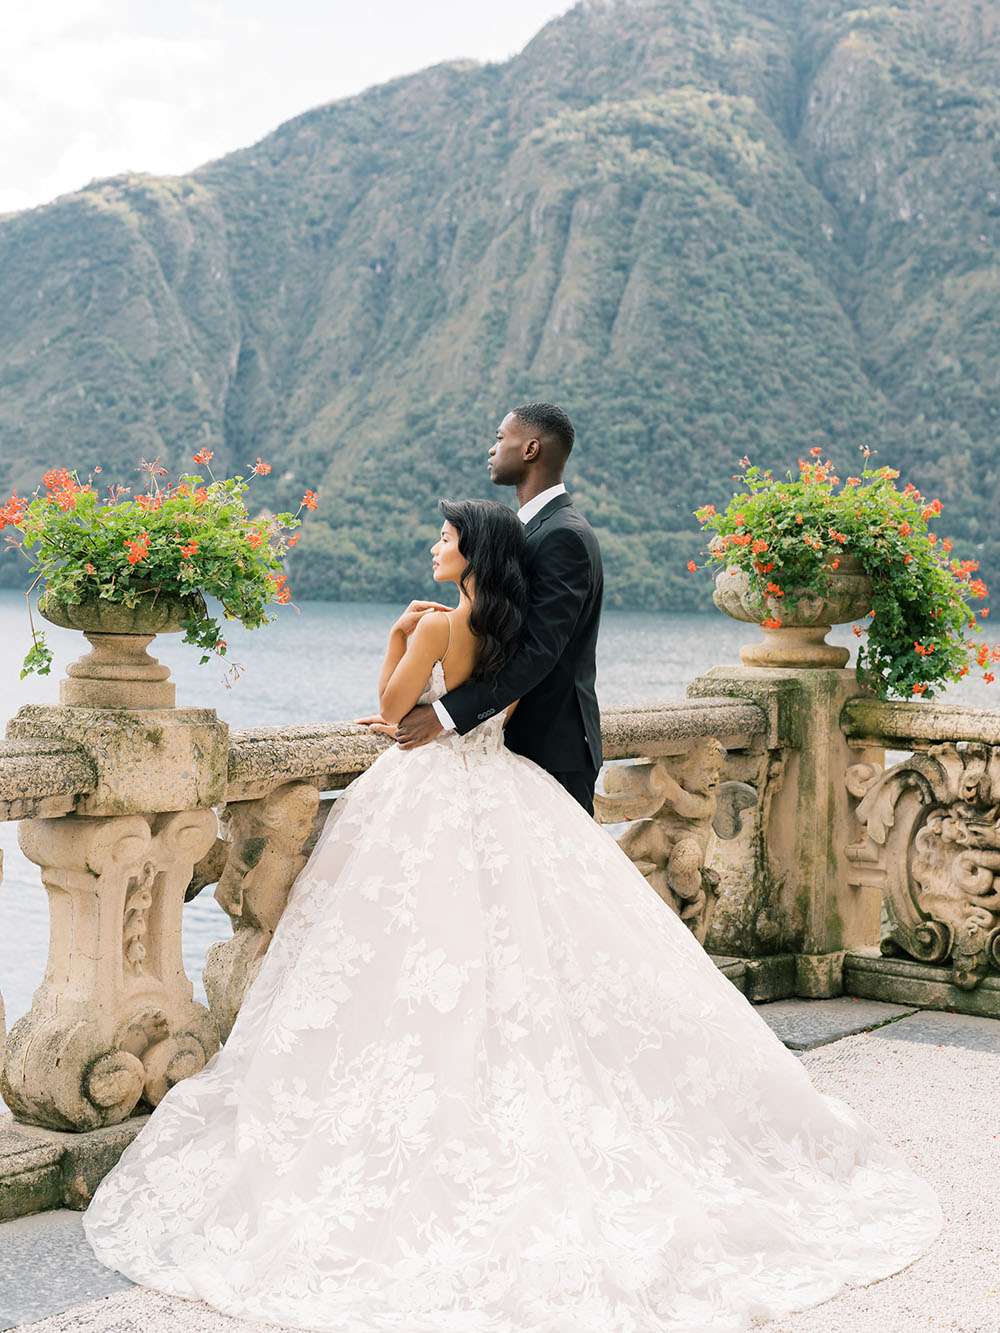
(553, 506)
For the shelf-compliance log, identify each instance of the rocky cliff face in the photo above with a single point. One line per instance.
(706, 227)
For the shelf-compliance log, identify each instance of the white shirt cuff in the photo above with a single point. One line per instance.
(443, 716)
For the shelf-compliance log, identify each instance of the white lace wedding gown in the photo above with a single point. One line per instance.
(487, 1081)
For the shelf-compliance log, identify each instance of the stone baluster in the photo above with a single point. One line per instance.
(113, 1024)
(265, 850)
(676, 808)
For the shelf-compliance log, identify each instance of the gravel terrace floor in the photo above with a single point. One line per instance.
(930, 1080)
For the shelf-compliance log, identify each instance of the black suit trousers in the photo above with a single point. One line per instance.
(580, 786)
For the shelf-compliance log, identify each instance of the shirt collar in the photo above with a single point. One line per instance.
(528, 511)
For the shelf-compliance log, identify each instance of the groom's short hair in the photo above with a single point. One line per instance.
(550, 421)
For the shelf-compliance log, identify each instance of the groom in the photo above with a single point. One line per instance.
(557, 722)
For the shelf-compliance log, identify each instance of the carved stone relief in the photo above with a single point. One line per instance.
(113, 1022)
(255, 865)
(676, 807)
(932, 844)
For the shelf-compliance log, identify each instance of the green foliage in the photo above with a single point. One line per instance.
(38, 657)
(182, 541)
(790, 535)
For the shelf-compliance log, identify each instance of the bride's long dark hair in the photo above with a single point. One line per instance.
(491, 537)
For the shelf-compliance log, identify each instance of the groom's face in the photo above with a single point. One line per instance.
(507, 462)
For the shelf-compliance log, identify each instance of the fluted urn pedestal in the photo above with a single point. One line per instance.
(118, 671)
(805, 618)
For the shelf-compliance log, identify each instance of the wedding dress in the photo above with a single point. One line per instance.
(487, 1081)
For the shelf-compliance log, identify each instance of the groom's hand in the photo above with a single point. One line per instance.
(420, 725)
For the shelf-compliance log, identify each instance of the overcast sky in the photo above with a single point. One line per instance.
(90, 88)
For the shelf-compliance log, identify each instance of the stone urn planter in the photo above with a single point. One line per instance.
(806, 619)
(118, 672)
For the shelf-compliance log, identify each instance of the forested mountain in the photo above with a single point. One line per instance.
(705, 227)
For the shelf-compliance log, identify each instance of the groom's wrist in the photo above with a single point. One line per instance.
(443, 716)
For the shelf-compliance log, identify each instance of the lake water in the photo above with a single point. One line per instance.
(320, 665)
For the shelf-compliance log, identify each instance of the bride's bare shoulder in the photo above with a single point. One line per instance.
(433, 631)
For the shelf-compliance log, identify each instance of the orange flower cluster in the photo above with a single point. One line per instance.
(282, 594)
(771, 622)
(260, 467)
(309, 500)
(203, 456)
(62, 488)
(137, 550)
(818, 472)
(13, 511)
(189, 549)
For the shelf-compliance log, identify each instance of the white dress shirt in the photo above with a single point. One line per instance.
(526, 513)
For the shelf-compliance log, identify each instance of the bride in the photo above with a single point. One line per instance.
(486, 1080)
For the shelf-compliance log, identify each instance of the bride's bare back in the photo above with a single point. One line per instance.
(462, 648)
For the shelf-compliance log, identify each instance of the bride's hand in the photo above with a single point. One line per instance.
(377, 723)
(414, 613)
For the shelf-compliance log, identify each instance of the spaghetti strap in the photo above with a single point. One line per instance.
(448, 646)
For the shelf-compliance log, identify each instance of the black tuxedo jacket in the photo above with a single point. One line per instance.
(557, 722)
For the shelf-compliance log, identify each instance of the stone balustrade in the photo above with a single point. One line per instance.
(761, 810)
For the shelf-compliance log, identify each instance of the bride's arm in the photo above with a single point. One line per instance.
(398, 636)
(409, 658)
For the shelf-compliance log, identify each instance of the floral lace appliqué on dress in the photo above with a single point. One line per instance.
(487, 1082)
